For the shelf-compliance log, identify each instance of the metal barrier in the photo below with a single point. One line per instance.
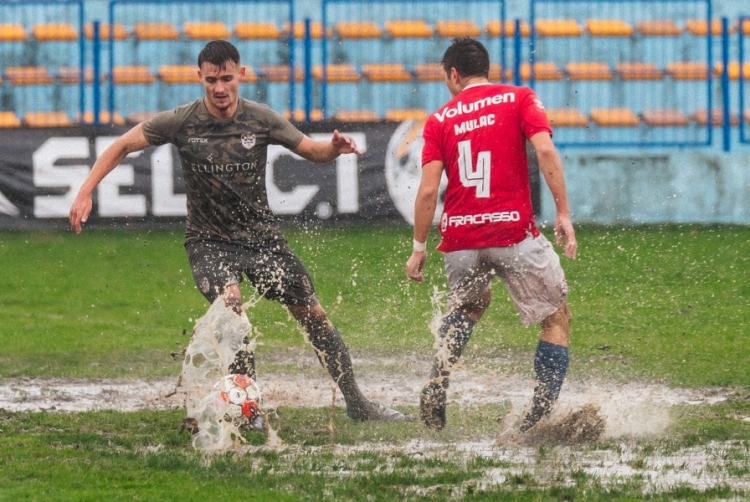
(42, 45)
(622, 73)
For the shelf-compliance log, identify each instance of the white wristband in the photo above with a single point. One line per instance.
(419, 247)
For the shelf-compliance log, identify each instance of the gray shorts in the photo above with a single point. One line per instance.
(530, 270)
(272, 268)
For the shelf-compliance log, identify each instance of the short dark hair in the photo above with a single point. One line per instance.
(468, 56)
(219, 53)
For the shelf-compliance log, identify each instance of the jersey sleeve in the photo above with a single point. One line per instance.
(162, 127)
(533, 116)
(282, 132)
(431, 150)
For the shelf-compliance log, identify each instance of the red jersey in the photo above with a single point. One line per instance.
(480, 137)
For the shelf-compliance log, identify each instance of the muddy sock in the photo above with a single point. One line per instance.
(550, 366)
(454, 333)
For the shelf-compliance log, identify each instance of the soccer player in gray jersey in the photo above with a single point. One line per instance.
(231, 232)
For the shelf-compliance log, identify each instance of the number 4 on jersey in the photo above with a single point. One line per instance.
(470, 177)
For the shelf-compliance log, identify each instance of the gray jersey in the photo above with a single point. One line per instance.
(224, 167)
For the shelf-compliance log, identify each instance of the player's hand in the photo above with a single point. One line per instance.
(414, 266)
(344, 144)
(79, 212)
(566, 236)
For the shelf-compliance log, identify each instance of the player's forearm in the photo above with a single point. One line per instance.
(424, 212)
(550, 166)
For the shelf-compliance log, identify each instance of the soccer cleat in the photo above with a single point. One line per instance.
(432, 406)
(537, 412)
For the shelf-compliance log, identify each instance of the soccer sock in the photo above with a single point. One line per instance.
(454, 334)
(550, 366)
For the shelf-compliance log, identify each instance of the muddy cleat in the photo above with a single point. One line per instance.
(537, 412)
(375, 411)
(432, 406)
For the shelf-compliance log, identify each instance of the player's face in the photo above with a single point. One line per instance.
(221, 84)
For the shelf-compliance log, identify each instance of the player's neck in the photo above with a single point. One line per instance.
(472, 82)
(219, 113)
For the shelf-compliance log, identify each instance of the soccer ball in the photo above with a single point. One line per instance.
(243, 398)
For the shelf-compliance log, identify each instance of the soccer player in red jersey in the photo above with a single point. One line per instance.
(487, 227)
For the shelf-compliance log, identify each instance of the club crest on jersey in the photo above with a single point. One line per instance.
(248, 140)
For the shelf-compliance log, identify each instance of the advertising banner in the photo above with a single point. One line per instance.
(41, 171)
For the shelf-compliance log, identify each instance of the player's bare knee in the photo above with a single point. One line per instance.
(556, 327)
(233, 298)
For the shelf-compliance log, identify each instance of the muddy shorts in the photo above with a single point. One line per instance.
(272, 268)
(530, 270)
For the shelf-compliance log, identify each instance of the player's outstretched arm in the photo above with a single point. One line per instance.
(424, 212)
(551, 167)
(131, 141)
(326, 151)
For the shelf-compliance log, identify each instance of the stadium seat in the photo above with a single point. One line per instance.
(699, 27)
(634, 70)
(137, 117)
(493, 28)
(120, 33)
(12, 33)
(336, 73)
(457, 28)
(47, 119)
(614, 117)
(88, 118)
(28, 75)
(687, 70)
(357, 116)
(250, 76)
(746, 114)
(155, 31)
(588, 71)
(717, 117)
(257, 31)
(663, 117)
(558, 28)
(178, 74)
(206, 30)
(357, 29)
(542, 71)
(9, 120)
(608, 28)
(133, 75)
(745, 28)
(400, 115)
(733, 70)
(412, 28)
(566, 117)
(280, 73)
(658, 28)
(299, 115)
(494, 75)
(385, 72)
(429, 72)
(52, 32)
(316, 30)
(72, 75)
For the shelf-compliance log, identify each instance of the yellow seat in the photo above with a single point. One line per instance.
(429, 72)
(316, 30)
(608, 28)
(133, 75)
(699, 27)
(257, 31)
(412, 28)
(206, 31)
(588, 71)
(457, 28)
(687, 70)
(119, 33)
(336, 73)
(280, 73)
(635, 70)
(178, 74)
(9, 120)
(357, 116)
(250, 76)
(47, 119)
(403, 114)
(746, 114)
(566, 117)
(493, 28)
(88, 118)
(49, 32)
(658, 28)
(28, 75)
(494, 75)
(12, 33)
(558, 28)
(717, 117)
(299, 115)
(155, 31)
(357, 29)
(733, 70)
(664, 117)
(546, 70)
(745, 27)
(385, 72)
(72, 75)
(614, 117)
